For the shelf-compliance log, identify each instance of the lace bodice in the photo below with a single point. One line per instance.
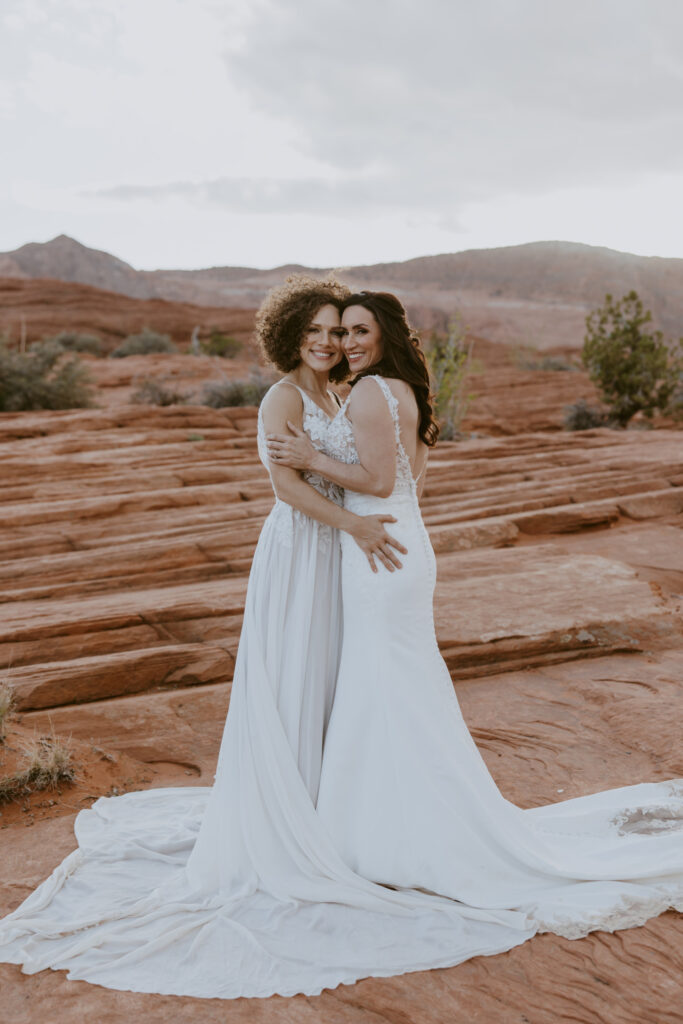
(284, 518)
(318, 425)
(342, 446)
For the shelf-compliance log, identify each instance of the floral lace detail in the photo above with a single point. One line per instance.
(655, 819)
(317, 424)
(649, 821)
(631, 912)
(340, 442)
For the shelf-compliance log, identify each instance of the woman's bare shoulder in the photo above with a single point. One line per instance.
(282, 401)
(366, 398)
(402, 391)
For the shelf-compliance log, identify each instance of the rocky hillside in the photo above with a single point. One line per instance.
(536, 294)
(44, 307)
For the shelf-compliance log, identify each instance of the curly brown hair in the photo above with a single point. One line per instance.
(287, 311)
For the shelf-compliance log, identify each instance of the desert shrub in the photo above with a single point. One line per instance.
(527, 361)
(73, 341)
(41, 379)
(449, 360)
(6, 707)
(635, 369)
(219, 394)
(48, 760)
(143, 343)
(223, 345)
(581, 416)
(676, 404)
(155, 392)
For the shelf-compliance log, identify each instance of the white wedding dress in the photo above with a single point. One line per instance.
(412, 859)
(407, 797)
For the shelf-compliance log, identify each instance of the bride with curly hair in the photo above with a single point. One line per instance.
(189, 868)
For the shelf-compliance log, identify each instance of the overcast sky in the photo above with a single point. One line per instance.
(190, 133)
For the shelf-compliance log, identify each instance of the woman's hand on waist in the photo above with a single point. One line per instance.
(370, 535)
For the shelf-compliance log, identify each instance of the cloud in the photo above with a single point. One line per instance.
(322, 196)
(426, 108)
(462, 101)
(341, 130)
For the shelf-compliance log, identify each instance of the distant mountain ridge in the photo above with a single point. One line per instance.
(535, 294)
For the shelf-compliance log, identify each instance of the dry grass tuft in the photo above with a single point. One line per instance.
(6, 707)
(48, 761)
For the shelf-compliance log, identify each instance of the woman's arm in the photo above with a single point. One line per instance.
(373, 429)
(284, 404)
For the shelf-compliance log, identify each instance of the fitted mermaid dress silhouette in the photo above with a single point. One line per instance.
(395, 852)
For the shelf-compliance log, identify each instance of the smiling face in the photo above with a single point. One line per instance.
(321, 345)
(362, 339)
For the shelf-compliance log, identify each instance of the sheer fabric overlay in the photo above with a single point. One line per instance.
(412, 858)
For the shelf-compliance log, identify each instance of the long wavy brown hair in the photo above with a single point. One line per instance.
(402, 355)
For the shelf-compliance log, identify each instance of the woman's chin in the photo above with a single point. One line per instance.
(322, 365)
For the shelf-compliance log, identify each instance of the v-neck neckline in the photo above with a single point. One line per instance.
(305, 394)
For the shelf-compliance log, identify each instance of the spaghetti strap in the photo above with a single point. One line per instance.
(292, 384)
(309, 403)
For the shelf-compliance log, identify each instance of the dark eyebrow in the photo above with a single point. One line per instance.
(361, 324)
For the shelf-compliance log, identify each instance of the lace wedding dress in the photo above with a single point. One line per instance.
(412, 859)
(407, 797)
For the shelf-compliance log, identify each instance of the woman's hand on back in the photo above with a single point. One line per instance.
(372, 538)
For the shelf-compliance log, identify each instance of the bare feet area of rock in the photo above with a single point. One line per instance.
(126, 536)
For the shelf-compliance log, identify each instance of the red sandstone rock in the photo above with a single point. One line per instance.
(126, 535)
(47, 306)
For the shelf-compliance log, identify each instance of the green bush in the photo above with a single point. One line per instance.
(676, 404)
(73, 341)
(155, 392)
(633, 366)
(581, 416)
(143, 343)
(223, 345)
(449, 360)
(41, 379)
(219, 394)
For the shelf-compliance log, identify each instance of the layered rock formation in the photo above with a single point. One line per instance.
(126, 535)
(37, 309)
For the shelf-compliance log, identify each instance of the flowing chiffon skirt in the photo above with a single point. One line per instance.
(237, 890)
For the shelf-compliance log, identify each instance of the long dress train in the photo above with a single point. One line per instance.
(411, 803)
(236, 890)
(412, 859)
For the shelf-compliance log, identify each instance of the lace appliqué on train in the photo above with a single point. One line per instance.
(653, 821)
(630, 913)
